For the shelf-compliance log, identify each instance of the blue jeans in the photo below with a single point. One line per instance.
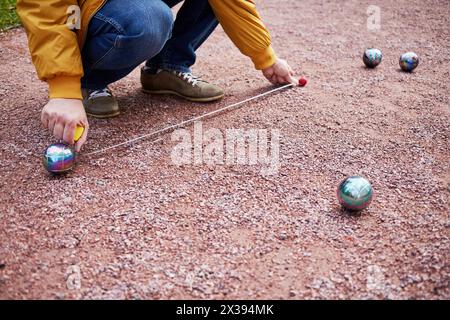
(123, 34)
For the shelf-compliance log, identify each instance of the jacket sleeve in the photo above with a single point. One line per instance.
(242, 23)
(53, 46)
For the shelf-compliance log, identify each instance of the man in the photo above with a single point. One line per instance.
(110, 38)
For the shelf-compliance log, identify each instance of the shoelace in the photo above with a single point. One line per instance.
(189, 77)
(100, 93)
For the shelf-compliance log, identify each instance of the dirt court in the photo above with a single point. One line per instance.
(129, 223)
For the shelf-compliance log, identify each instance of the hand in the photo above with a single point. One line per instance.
(61, 117)
(279, 73)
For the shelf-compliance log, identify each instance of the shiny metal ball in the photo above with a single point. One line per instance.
(59, 158)
(355, 193)
(372, 57)
(409, 61)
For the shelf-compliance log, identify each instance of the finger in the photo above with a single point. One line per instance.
(281, 80)
(268, 72)
(44, 119)
(58, 130)
(267, 77)
(287, 71)
(82, 140)
(69, 132)
(288, 79)
(273, 79)
(291, 79)
(51, 123)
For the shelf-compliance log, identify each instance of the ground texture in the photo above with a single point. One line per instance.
(131, 224)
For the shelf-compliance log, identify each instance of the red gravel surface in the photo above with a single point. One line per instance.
(129, 223)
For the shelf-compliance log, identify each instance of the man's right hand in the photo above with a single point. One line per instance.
(61, 117)
(280, 73)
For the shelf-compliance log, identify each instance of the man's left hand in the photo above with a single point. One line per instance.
(279, 73)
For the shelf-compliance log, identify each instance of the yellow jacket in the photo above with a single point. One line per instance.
(55, 49)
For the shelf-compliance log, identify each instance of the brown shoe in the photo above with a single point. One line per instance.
(181, 84)
(100, 103)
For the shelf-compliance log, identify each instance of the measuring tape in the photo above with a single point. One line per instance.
(302, 82)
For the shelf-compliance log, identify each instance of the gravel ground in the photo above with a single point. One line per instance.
(129, 223)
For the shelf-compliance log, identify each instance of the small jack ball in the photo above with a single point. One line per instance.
(59, 158)
(302, 82)
(355, 193)
(372, 57)
(409, 61)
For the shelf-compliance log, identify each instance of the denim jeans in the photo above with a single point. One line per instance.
(123, 34)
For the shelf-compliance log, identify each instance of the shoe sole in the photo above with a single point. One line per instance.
(207, 99)
(103, 116)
